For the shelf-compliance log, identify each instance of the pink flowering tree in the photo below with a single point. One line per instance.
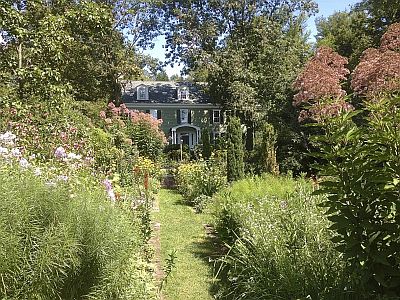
(360, 173)
(319, 90)
(379, 69)
(141, 129)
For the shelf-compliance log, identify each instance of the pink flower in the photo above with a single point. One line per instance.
(102, 114)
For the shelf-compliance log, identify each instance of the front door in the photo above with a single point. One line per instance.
(185, 139)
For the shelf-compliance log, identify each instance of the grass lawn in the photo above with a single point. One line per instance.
(183, 231)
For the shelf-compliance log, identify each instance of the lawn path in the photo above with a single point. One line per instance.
(182, 230)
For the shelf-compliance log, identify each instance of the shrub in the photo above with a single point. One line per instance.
(361, 177)
(141, 128)
(279, 245)
(200, 178)
(235, 153)
(58, 241)
(205, 140)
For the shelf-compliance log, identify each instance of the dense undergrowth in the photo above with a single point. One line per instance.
(278, 242)
(70, 243)
(76, 193)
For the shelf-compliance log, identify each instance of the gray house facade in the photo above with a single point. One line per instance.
(184, 108)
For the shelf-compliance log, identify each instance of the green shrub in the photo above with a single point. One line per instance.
(200, 178)
(279, 244)
(361, 176)
(59, 241)
(235, 153)
(206, 144)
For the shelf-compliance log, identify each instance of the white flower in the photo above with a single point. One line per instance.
(74, 156)
(111, 195)
(15, 152)
(37, 172)
(3, 151)
(62, 178)
(8, 138)
(23, 163)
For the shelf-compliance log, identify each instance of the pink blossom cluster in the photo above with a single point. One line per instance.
(115, 114)
(379, 69)
(319, 86)
(321, 77)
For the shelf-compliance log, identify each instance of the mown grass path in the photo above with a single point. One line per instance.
(182, 230)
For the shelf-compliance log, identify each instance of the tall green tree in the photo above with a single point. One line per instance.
(72, 47)
(235, 165)
(205, 140)
(249, 52)
(346, 33)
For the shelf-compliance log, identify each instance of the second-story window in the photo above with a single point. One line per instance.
(184, 116)
(216, 115)
(183, 93)
(142, 93)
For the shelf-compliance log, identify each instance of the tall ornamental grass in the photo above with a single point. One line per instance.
(61, 242)
(279, 246)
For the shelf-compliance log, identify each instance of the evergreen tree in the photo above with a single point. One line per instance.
(205, 138)
(268, 152)
(235, 165)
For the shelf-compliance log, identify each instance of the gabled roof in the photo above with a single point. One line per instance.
(164, 92)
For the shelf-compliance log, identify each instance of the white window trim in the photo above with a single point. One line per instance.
(216, 118)
(154, 113)
(184, 120)
(183, 93)
(146, 92)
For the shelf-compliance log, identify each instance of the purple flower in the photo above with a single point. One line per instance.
(109, 189)
(60, 152)
(107, 184)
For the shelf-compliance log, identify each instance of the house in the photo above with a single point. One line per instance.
(183, 107)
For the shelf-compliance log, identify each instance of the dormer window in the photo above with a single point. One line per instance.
(142, 93)
(183, 93)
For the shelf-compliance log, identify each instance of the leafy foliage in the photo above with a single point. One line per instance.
(198, 179)
(58, 242)
(235, 166)
(361, 176)
(279, 245)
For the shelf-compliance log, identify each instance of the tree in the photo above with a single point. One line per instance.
(268, 151)
(235, 165)
(319, 86)
(378, 71)
(249, 52)
(73, 47)
(205, 139)
(346, 33)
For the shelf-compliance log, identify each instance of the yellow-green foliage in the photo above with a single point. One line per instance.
(279, 243)
(195, 179)
(61, 242)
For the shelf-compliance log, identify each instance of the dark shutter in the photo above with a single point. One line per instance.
(189, 116)
(221, 117)
(147, 111)
(159, 114)
(178, 116)
(211, 114)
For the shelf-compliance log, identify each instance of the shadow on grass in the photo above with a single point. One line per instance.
(211, 250)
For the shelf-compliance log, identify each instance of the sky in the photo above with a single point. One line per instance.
(326, 8)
